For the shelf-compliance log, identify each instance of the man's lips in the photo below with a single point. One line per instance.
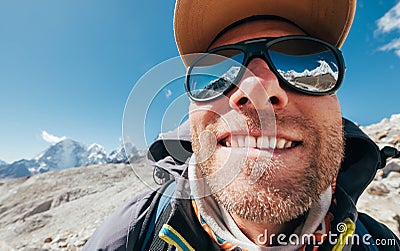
(259, 142)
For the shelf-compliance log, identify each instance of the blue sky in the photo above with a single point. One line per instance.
(67, 68)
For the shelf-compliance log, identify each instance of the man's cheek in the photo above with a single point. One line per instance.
(207, 145)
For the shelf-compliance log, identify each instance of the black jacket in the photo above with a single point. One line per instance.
(126, 229)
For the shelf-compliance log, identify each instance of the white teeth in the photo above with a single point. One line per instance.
(250, 141)
(288, 144)
(262, 142)
(240, 141)
(280, 144)
(272, 142)
(234, 143)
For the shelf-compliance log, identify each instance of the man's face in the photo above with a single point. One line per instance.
(258, 183)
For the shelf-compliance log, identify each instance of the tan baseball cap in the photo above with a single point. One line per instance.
(197, 22)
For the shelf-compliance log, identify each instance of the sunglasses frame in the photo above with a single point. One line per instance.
(258, 48)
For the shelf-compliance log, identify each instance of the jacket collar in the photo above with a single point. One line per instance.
(361, 161)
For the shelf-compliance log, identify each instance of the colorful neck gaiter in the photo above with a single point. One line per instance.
(318, 237)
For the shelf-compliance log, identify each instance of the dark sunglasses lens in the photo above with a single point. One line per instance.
(213, 73)
(306, 64)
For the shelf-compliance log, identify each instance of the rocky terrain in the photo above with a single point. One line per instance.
(382, 197)
(59, 210)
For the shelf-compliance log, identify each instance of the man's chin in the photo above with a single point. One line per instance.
(254, 204)
(260, 187)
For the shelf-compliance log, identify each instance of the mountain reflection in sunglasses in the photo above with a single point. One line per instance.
(303, 63)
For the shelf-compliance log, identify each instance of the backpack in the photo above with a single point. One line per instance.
(156, 216)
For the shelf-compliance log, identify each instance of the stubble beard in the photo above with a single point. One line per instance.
(281, 193)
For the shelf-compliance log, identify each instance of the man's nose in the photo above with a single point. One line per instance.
(259, 87)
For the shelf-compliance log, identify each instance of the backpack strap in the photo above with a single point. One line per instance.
(362, 231)
(367, 225)
(156, 216)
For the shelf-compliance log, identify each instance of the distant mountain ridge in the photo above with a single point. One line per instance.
(65, 154)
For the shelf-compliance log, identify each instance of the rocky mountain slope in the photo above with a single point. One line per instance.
(59, 210)
(382, 197)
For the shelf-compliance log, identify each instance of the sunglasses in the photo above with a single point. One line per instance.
(305, 64)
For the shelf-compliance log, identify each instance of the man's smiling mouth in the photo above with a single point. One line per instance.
(261, 142)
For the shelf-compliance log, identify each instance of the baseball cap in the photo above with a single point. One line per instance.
(197, 22)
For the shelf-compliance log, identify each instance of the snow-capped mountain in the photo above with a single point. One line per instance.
(219, 84)
(231, 74)
(321, 78)
(96, 155)
(65, 154)
(17, 169)
(124, 154)
(322, 69)
(2, 163)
